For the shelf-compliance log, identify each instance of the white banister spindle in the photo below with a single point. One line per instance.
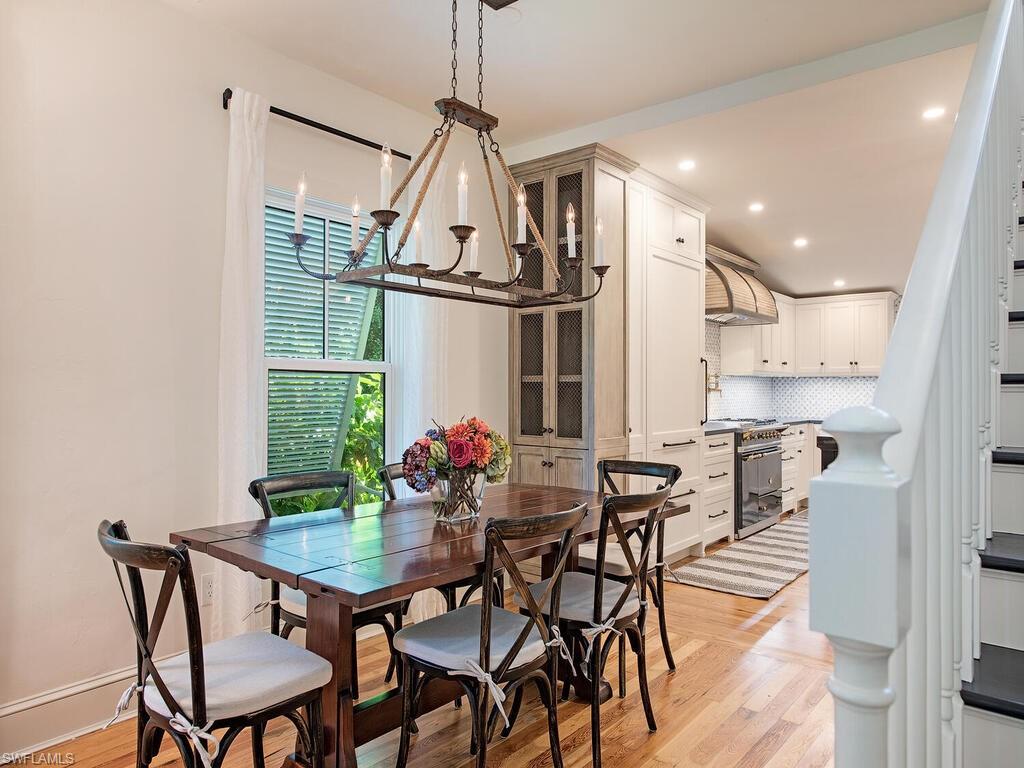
(861, 515)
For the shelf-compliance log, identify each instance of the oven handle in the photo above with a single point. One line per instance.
(759, 454)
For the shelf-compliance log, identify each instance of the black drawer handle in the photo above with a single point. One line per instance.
(784, 362)
(717, 445)
(787, 490)
(723, 512)
(681, 495)
(799, 450)
(680, 240)
(723, 474)
(676, 445)
(765, 362)
(791, 458)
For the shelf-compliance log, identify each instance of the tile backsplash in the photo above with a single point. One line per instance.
(786, 398)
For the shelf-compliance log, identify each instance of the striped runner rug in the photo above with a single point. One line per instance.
(758, 566)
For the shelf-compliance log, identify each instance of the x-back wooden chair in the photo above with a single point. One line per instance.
(666, 476)
(288, 606)
(233, 684)
(489, 651)
(593, 606)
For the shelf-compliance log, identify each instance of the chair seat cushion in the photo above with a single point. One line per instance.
(449, 640)
(577, 598)
(244, 674)
(294, 601)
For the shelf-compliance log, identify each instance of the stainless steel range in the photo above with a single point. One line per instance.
(758, 474)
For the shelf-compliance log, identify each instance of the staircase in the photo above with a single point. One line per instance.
(917, 528)
(993, 714)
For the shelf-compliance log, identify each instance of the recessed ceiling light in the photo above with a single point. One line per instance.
(839, 283)
(800, 242)
(756, 207)
(933, 113)
(687, 165)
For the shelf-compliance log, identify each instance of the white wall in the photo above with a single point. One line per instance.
(112, 218)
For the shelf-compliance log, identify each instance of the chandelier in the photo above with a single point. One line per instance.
(509, 292)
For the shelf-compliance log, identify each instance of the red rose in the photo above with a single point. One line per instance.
(460, 452)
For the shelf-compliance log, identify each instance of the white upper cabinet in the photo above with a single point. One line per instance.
(828, 336)
(809, 339)
(840, 338)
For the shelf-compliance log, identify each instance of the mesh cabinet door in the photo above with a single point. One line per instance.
(569, 191)
(532, 396)
(568, 390)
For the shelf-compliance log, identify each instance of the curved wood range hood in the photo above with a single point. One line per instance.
(732, 295)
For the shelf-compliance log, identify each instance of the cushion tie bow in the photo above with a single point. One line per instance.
(591, 633)
(123, 703)
(558, 642)
(260, 607)
(475, 670)
(197, 736)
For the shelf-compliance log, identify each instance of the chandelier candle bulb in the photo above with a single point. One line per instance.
(570, 231)
(355, 222)
(300, 204)
(521, 215)
(463, 195)
(385, 177)
(598, 243)
(474, 251)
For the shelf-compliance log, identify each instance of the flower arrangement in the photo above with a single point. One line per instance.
(446, 462)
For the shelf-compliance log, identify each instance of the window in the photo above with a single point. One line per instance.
(324, 351)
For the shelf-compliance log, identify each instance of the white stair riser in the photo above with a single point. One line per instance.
(1014, 362)
(1002, 597)
(1017, 301)
(1011, 416)
(991, 740)
(1007, 498)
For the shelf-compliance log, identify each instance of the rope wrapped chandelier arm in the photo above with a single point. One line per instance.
(517, 294)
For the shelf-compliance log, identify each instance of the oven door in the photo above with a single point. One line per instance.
(760, 490)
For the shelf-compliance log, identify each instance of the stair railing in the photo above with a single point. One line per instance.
(897, 521)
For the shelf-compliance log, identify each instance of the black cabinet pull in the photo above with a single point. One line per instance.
(784, 362)
(680, 240)
(676, 445)
(765, 362)
(822, 363)
(704, 420)
(790, 458)
(786, 490)
(717, 445)
(799, 450)
(801, 431)
(714, 477)
(723, 512)
(681, 495)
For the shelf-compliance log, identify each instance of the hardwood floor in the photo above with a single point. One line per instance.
(748, 691)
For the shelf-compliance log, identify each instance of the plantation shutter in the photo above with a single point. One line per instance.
(309, 411)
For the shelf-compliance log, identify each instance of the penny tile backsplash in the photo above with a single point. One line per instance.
(764, 397)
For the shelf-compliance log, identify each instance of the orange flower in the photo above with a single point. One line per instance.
(482, 450)
(479, 425)
(460, 431)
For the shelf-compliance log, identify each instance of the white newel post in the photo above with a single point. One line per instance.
(859, 579)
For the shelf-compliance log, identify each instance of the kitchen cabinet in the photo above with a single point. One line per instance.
(809, 338)
(567, 393)
(827, 336)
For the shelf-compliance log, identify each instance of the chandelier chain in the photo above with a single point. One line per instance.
(455, 46)
(480, 54)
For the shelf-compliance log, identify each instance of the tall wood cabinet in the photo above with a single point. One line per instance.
(568, 392)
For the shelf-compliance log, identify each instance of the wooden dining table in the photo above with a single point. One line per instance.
(345, 560)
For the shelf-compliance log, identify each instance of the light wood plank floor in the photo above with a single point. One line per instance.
(748, 691)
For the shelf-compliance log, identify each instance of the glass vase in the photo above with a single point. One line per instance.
(458, 496)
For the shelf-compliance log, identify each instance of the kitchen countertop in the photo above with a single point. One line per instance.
(720, 430)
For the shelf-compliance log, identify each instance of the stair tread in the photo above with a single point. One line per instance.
(1008, 456)
(1004, 552)
(998, 684)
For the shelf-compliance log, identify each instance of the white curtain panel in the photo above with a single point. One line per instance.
(416, 330)
(241, 448)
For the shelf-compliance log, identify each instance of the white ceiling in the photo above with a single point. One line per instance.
(557, 64)
(849, 164)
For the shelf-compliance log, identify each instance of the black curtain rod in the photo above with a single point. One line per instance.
(321, 127)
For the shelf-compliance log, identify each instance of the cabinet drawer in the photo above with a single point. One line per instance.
(683, 531)
(789, 498)
(716, 446)
(718, 476)
(687, 232)
(719, 516)
(685, 455)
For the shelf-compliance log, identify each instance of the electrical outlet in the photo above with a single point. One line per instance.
(206, 590)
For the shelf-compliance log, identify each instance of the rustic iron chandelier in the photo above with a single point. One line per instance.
(516, 294)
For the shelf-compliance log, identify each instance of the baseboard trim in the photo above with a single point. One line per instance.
(65, 691)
